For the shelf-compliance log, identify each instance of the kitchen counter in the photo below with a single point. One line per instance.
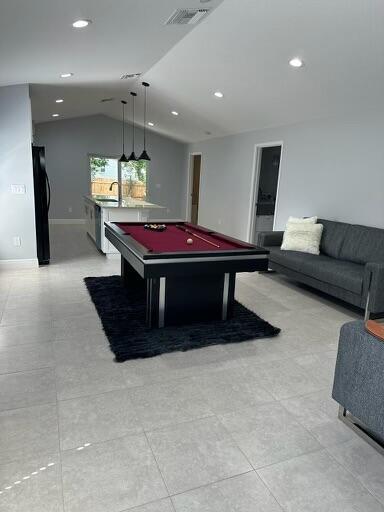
(99, 210)
(125, 203)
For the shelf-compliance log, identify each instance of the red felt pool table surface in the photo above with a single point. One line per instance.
(174, 239)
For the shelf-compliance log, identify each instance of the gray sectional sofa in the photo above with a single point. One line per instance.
(350, 265)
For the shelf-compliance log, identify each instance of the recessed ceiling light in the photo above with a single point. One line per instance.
(55, 115)
(59, 100)
(150, 123)
(174, 113)
(81, 23)
(219, 94)
(66, 75)
(296, 62)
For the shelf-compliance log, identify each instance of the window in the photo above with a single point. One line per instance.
(105, 170)
(134, 179)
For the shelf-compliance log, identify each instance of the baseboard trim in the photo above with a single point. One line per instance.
(22, 263)
(67, 221)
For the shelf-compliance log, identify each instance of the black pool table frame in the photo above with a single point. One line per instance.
(185, 286)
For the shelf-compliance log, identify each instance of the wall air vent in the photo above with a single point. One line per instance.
(129, 75)
(106, 100)
(186, 16)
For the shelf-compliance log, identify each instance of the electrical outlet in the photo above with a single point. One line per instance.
(16, 241)
(219, 222)
(158, 185)
(69, 209)
(17, 189)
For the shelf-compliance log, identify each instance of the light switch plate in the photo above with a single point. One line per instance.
(17, 189)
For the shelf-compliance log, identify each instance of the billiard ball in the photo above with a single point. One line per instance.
(189, 241)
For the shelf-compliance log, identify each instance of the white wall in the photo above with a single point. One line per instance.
(17, 212)
(331, 168)
(68, 143)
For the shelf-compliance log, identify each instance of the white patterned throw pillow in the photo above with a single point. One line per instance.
(303, 220)
(302, 237)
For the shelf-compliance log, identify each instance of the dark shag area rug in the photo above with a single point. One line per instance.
(122, 313)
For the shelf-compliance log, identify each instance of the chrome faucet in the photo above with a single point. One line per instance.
(119, 194)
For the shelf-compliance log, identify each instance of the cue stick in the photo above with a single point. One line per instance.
(197, 236)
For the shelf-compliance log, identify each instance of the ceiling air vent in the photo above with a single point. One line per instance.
(129, 75)
(186, 16)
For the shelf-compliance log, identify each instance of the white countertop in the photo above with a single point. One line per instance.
(125, 203)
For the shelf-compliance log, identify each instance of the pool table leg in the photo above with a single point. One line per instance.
(156, 302)
(228, 295)
(215, 294)
(129, 275)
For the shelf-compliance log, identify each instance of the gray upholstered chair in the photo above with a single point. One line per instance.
(359, 382)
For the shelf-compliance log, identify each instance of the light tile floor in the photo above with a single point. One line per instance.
(248, 427)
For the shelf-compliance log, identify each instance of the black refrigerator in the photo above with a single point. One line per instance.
(42, 202)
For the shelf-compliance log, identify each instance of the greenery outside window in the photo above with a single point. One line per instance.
(134, 179)
(105, 170)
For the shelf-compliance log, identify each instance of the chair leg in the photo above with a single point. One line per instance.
(367, 313)
(361, 430)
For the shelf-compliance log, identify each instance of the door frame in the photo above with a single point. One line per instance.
(255, 184)
(188, 209)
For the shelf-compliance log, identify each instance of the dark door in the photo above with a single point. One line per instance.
(267, 192)
(196, 168)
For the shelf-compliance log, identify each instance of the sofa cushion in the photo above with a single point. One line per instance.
(363, 244)
(333, 237)
(291, 259)
(344, 274)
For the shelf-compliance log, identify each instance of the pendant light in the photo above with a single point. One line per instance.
(144, 155)
(132, 157)
(123, 158)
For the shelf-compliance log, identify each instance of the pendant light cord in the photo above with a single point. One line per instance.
(123, 127)
(133, 121)
(145, 112)
(144, 155)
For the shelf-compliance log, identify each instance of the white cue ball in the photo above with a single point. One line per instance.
(189, 241)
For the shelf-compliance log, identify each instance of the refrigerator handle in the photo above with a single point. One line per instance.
(49, 191)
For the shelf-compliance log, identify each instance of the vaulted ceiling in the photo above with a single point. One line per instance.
(241, 48)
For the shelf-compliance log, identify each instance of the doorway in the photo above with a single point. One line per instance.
(263, 204)
(194, 188)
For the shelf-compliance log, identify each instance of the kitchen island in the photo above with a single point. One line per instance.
(108, 209)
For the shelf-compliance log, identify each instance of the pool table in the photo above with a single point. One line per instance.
(185, 282)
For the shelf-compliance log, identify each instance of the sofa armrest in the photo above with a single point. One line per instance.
(270, 238)
(358, 383)
(374, 282)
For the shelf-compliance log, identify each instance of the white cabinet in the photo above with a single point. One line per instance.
(89, 210)
(96, 214)
(262, 223)
(119, 215)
